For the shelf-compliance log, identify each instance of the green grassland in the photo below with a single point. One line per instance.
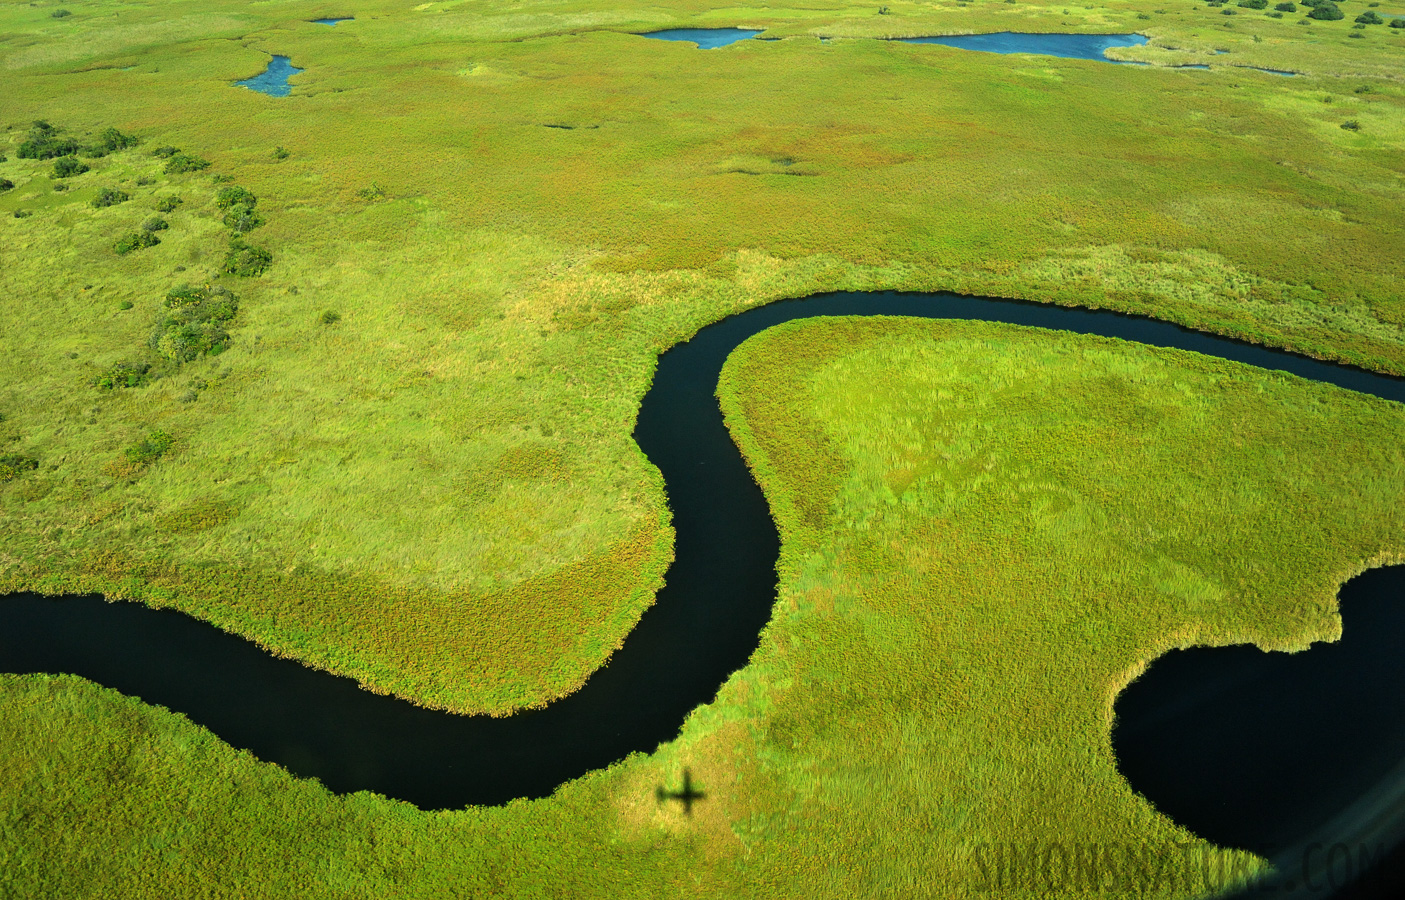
(970, 572)
(410, 462)
(399, 496)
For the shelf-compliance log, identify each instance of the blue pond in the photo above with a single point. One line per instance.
(273, 81)
(332, 21)
(1069, 46)
(705, 38)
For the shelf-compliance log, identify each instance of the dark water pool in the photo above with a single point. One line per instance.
(273, 80)
(1175, 730)
(1283, 72)
(705, 38)
(1068, 46)
(333, 21)
(1270, 752)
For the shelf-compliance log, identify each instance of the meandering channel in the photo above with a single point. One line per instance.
(705, 624)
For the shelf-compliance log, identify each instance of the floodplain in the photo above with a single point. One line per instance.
(375, 412)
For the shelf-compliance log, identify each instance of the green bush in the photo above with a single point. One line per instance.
(68, 166)
(1370, 18)
(329, 317)
(1274, 15)
(13, 465)
(1326, 12)
(155, 223)
(149, 449)
(123, 375)
(110, 140)
(194, 325)
(164, 152)
(1351, 125)
(6, 185)
(136, 240)
(282, 152)
(45, 142)
(181, 163)
(1287, 7)
(109, 197)
(235, 196)
(246, 260)
(168, 204)
(242, 219)
(1397, 23)
(1253, 4)
(60, 14)
(23, 213)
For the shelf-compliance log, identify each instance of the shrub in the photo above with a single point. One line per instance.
(155, 223)
(194, 325)
(68, 166)
(181, 163)
(168, 204)
(144, 180)
(182, 343)
(164, 152)
(123, 375)
(109, 197)
(1351, 125)
(246, 260)
(235, 196)
(282, 152)
(110, 140)
(1253, 4)
(1397, 23)
(1287, 7)
(60, 14)
(149, 449)
(242, 219)
(45, 142)
(136, 240)
(13, 465)
(329, 317)
(1326, 12)
(1274, 15)
(1370, 18)
(6, 185)
(23, 213)
(125, 305)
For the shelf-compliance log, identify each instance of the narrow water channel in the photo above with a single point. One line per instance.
(705, 624)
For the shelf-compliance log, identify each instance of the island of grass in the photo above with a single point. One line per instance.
(435, 492)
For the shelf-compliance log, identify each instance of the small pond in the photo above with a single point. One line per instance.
(333, 21)
(273, 80)
(1068, 46)
(705, 38)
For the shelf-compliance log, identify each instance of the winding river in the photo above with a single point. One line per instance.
(705, 624)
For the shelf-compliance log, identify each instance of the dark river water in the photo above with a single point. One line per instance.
(1248, 749)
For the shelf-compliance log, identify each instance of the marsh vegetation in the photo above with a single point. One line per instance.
(439, 497)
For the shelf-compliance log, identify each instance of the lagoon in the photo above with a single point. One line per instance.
(705, 38)
(1068, 46)
(273, 81)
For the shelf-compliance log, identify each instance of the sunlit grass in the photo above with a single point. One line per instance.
(971, 569)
